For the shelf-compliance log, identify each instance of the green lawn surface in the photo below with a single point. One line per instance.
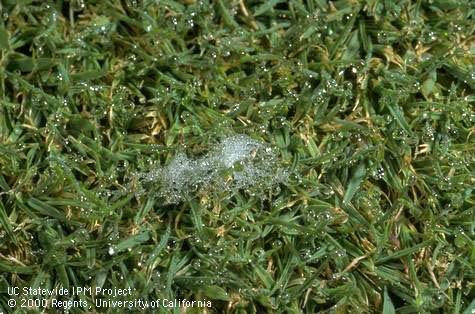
(301, 156)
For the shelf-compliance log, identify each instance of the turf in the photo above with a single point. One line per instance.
(367, 107)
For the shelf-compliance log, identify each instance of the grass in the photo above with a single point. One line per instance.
(369, 106)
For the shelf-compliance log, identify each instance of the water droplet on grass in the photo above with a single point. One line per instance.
(378, 174)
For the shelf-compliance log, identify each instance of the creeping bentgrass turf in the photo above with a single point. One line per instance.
(298, 156)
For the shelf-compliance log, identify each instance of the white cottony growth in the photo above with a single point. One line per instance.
(236, 148)
(237, 162)
(177, 171)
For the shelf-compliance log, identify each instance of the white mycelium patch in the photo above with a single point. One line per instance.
(237, 162)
